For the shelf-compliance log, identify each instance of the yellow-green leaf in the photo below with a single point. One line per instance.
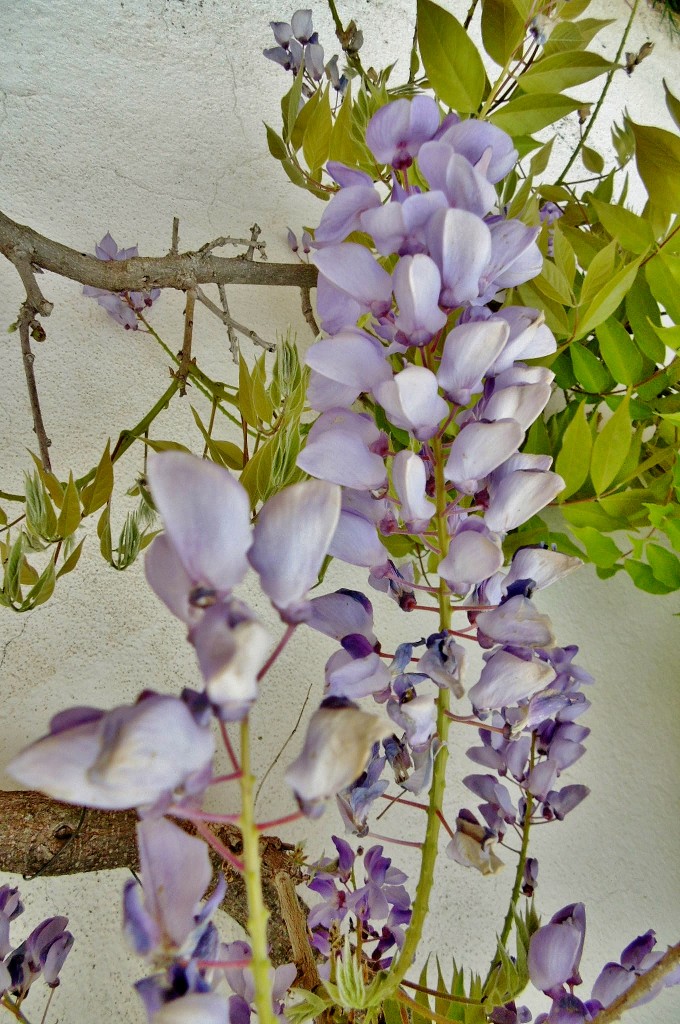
(663, 276)
(302, 121)
(657, 154)
(503, 29)
(611, 447)
(72, 560)
(245, 393)
(607, 299)
(592, 160)
(316, 143)
(573, 461)
(643, 315)
(528, 114)
(563, 70)
(634, 233)
(619, 352)
(673, 104)
(451, 60)
(589, 371)
(69, 517)
(96, 494)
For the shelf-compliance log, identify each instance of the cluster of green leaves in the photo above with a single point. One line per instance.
(51, 526)
(611, 278)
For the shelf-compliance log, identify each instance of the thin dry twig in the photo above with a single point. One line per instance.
(186, 361)
(226, 319)
(231, 333)
(174, 245)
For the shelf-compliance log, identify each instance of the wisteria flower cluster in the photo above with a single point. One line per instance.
(424, 389)
(298, 47)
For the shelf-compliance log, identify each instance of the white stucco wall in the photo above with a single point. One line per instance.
(118, 116)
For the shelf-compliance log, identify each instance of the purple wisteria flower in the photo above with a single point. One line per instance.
(137, 755)
(41, 954)
(206, 550)
(123, 306)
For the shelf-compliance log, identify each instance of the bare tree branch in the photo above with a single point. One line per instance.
(642, 986)
(186, 361)
(229, 321)
(41, 836)
(22, 245)
(307, 311)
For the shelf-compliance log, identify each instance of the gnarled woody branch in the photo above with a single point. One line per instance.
(42, 836)
(21, 245)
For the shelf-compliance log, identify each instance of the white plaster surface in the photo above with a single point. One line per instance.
(116, 116)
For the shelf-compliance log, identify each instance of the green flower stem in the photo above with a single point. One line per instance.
(211, 389)
(257, 912)
(598, 105)
(438, 787)
(519, 874)
(127, 437)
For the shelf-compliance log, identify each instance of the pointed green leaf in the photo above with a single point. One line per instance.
(574, 35)
(69, 518)
(245, 394)
(277, 146)
(316, 143)
(673, 104)
(664, 564)
(634, 233)
(644, 578)
(607, 299)
(619, 352)
(96, 494)
(52, 485)
(573, 461)
(592, 160)
(451, 60)
(71, 562)
(541, 159)
(657, 155)
(104, 534)
(563, 70)
(600, 549)
(290, 105)
(528, 114)
(343, 146)
(600, 271)
(610, 448)
(41, 590)
(302, 121)
(164, 446)
(12, 585)
(643, 315)
(663, 276)
(552, 282)
(503, 29)
(589, 371)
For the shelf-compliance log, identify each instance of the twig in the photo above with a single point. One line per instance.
(174, 245)
(307, 311)
(20, 243)
(253, 244)
(186, 361)
(231, 333)
(219, 243)
(642, 986)
(226, 319)
(25, 321)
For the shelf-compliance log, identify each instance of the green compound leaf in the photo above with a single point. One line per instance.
(611, 447)
(643, 577)
(451, 60)
(573, 461)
